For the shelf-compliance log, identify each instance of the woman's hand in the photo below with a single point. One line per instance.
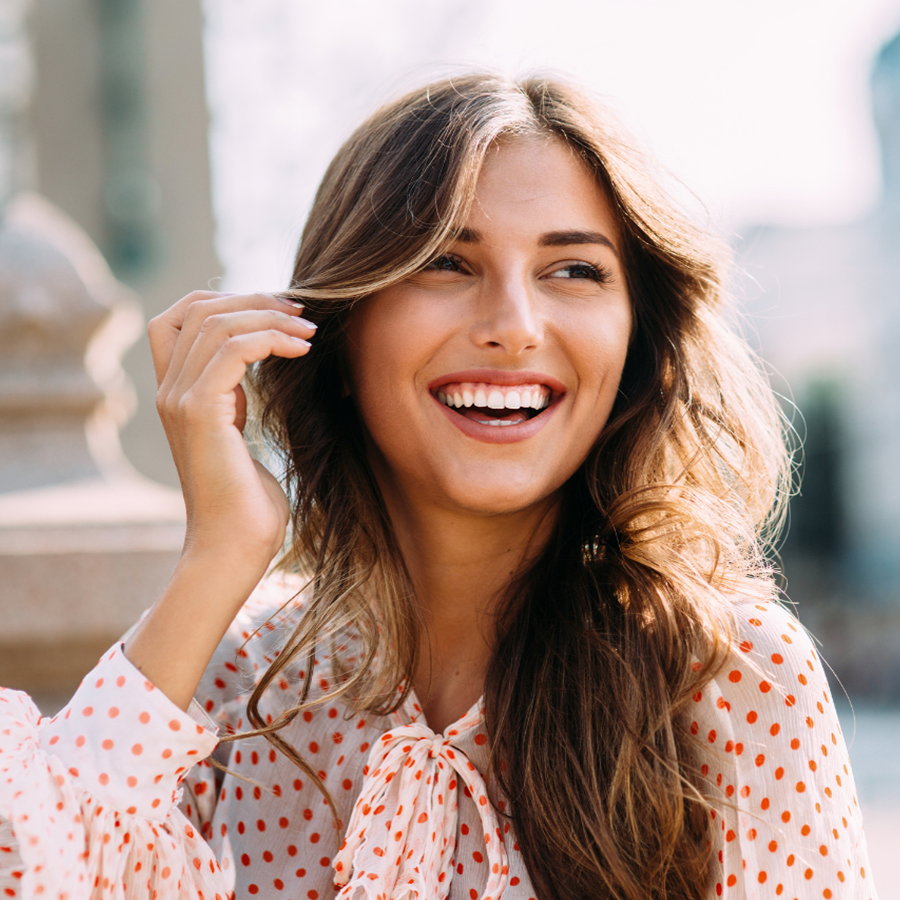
(236, 511)
(202, 347)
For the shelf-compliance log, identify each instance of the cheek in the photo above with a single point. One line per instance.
(601, 349)
(386, 346)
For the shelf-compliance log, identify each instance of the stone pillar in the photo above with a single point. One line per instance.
(85, 542)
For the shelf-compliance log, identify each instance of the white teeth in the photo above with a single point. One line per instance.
(527, 398)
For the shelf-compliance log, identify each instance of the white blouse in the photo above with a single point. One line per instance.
(114, 796)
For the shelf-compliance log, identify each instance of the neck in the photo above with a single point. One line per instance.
(460, 565)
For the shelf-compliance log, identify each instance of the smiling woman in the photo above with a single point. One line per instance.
(521, 641)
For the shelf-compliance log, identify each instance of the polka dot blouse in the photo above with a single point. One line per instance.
(115, 797)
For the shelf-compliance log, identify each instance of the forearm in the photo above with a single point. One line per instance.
(173, 644)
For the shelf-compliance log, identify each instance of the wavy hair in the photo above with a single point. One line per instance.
(603, 638)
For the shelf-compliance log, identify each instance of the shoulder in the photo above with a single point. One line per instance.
(770, 747)
(769, 710)
(772, 672)
(772, 644)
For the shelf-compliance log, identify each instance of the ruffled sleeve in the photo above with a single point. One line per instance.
(89, 799)
(788, 823)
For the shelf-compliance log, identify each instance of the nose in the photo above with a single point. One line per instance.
(507, 316)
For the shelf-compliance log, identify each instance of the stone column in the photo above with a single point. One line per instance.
(85, 542)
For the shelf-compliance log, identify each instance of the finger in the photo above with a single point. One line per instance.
(163, 330)
(200, 313)
(211, 397)
(218, 329)
(183, 320)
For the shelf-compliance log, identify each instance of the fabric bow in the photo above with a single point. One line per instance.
(402, 834)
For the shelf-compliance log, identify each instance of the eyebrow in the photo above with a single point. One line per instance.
(549, 239)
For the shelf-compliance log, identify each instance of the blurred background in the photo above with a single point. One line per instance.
(151, 148)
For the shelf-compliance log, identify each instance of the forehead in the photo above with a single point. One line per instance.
(535, 184)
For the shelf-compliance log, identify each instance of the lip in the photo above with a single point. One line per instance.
(502, 434)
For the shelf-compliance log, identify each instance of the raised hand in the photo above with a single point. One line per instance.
(237, 512)
(202, 347)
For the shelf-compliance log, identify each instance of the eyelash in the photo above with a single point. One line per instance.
(599, 274)
(444, 256)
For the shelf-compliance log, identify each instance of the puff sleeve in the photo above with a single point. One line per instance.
(788, 824)
(89, 799)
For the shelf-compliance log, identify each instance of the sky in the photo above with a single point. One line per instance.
(761, 110)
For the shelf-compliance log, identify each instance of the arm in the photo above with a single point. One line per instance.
(81, 806)
(788, 823)
(237, 513)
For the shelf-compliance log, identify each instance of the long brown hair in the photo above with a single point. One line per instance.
(601, 642)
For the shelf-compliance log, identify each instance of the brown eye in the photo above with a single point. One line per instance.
(583, 271)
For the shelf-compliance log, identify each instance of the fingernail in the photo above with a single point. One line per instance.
(308, 324)
(293, 303)
(301, 341)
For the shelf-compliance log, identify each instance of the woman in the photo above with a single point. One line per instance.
(522, 642)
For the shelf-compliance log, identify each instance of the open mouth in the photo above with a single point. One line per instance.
(495, 404)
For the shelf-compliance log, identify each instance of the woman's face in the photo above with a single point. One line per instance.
(484, 380)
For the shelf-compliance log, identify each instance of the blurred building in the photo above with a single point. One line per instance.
(105, 220)
(825, 305)
(118, 127)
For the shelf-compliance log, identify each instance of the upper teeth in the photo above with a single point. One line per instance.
(495, 396)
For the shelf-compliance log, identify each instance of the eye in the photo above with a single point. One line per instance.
(444, 263)
(583, 270)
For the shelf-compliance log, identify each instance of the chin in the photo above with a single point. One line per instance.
(506, 498)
